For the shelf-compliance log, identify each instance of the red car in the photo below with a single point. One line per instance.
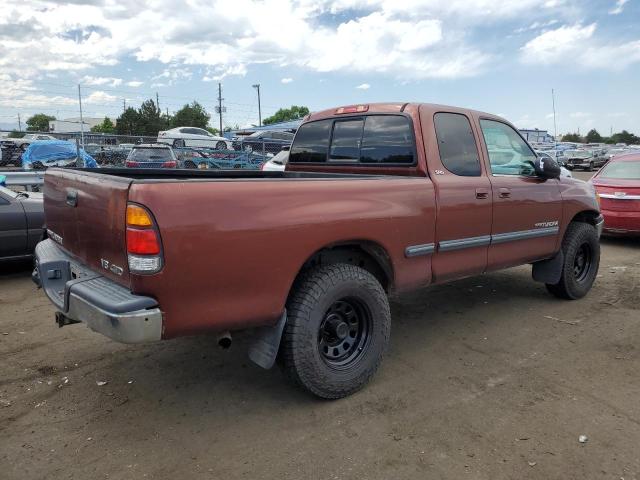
(618, 184)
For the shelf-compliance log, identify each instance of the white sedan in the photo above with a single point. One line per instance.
(276, 163)
(193, 137)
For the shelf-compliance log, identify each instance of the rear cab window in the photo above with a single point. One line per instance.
(367, 140)
(457, 145)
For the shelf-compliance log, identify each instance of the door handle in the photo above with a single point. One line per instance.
(482, 193)
(504, 193)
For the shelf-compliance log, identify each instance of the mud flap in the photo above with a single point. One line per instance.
(549, 271)
(264, 349)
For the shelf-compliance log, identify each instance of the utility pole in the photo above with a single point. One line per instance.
(220, 105)
(19, 124)
(257, 87)
(81, 119)
(555, 128)
(124, 105)
(157, 102)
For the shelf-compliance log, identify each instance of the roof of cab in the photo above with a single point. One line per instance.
(395, 107)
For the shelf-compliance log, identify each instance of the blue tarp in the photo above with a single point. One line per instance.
(55, 153)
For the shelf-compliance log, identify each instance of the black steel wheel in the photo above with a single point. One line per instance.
(337, 330)
(582, 262)
(581, 251)
(344, 332)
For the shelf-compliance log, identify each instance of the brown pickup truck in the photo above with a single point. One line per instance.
(376, 199)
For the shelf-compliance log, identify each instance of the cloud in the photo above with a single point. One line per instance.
(99, 97)
(619, 6)
(110, 81)
(134, 83)
(363, 86)
(577, 44)
(419, 38)
(286, 80)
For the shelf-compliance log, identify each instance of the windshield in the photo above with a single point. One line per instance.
(255, 134)
(578, 153)
(151, 155)
(629, 170)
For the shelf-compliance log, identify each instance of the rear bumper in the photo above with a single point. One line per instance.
(618, 222)
(82, 295)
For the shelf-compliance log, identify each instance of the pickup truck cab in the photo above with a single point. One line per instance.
(375, 199)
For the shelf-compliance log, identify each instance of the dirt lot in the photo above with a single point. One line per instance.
(487, 378)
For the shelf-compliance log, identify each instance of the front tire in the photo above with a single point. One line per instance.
(338, 324)
(221, 145)
(581, 249)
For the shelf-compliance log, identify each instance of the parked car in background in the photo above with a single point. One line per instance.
(55, 153)
(10, 153)
(277, 163)
(151, 155)
(193, 137)
(29, 138)
(618, 185)
(374, 200)
(584, 159)
(21, 222)
(268, 140)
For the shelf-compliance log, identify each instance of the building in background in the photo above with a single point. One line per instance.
(72, 125)
(536, 136)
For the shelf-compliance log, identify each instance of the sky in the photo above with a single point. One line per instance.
(499, 56)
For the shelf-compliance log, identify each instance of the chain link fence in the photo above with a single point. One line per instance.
(241, 152)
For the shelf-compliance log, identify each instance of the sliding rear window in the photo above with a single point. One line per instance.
(373, 139)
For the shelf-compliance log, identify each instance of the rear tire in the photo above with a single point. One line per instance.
(221, 146)
(178, 143)
(581, 249)
(338, 324)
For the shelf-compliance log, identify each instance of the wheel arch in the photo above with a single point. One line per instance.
(366, 254)
(586, 216)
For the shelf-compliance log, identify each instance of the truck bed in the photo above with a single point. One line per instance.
(231, 252)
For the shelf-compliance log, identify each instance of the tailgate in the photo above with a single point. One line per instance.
(86, 214)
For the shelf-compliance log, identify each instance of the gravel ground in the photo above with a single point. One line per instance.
(487, 378)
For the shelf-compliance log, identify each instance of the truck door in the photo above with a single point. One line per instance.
(463, 193)
(527, 209)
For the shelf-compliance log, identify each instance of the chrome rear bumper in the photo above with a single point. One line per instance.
(82, 295)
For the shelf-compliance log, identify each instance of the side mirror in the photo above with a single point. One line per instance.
(546, 167)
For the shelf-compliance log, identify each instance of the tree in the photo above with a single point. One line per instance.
(625, 137)
(39, 122)
(571, 137)
(211, 130)
(129, 123)
(151, 121)
(193, 115)
(106, 126)
(593, 136)
(285, 114)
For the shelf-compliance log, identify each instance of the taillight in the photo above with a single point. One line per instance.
(171, 164)
(131, 164)
(144, 249)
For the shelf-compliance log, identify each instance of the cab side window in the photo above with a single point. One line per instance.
(457, 145)
(508, 153)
